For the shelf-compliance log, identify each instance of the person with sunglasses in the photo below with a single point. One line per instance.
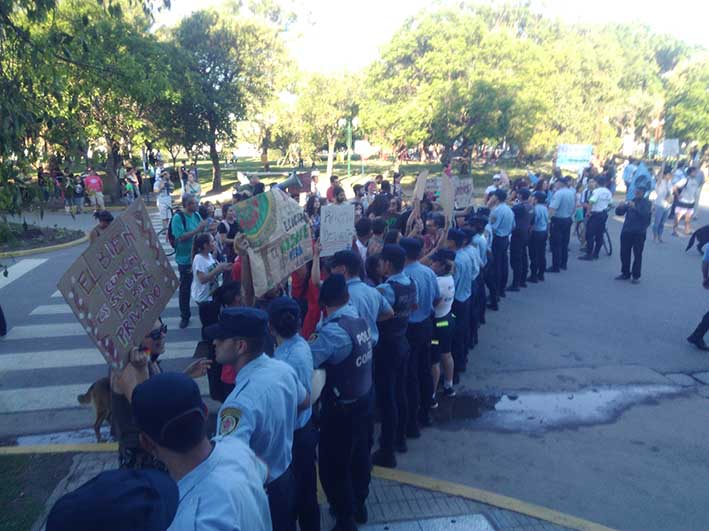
(130, 453)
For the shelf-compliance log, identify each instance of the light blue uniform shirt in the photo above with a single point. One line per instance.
(426, 290)
(296, 353)
(330, 341)
(370, 304)
(463, 275)
(225, 491)
(481, 243)
(472, 252)
(262, 411)
(541, 218)
(502, 220)
(388, 292)
(563, 202)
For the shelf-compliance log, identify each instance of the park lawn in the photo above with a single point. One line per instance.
(28, 481)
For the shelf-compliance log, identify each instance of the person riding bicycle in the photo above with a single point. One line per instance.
(598, 204)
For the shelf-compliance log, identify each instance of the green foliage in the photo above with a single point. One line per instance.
(688, 105)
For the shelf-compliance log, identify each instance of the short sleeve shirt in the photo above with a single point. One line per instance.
(295, 351)
(370, 304)
(183, 250)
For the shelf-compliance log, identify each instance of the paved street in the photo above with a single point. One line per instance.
(632, 456)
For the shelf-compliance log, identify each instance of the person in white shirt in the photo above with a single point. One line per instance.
(442, 263)
(494, 186)
(363, 228)
(598, 204)
(206, 271)
(163, 189)
(663, 202)
(686, 192)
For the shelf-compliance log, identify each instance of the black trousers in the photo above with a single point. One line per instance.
(538, 254)
(518, 258)
(459, 347)
(3, 323)
(185, 289)
(281, 501)
(500, 246)
(419, 384)
(344, 457)
(559, 235)
(631, 242)
(491, 282)
(702, 327)
(595, 227)
(474, 313)
(306, 496)
(479, 297)
(390, 380)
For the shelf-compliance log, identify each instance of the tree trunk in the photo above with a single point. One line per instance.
(111, 186)
(216, 170)
(330, 154)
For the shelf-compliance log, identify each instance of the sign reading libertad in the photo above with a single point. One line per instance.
(119, 286)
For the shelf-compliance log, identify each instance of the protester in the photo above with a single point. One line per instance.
(283, 322)
(104, 218)
(226, 232)
(519, 240)
(697, 337)
(561, 209)
(312, 209)
(206, 271)
(331, 192)
(632, 236)
(163, 191)
(193, 187)
(339, 197)
(685, 192)
(598, 204)
(663, 202)
(185, 225)
(263, 408)
(462, 277)
(538, 239)
(376, 241)
(441, 343)
(363, 232)
(344, 349)
(94, 187)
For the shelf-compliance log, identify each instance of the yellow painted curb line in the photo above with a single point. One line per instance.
(400, 476)
(489, 498)
(48, 249)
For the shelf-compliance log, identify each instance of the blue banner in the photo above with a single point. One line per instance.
(574, 156)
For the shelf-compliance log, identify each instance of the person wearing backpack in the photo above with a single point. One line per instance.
(184, 226)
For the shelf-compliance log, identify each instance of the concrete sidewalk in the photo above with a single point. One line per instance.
(391, 505)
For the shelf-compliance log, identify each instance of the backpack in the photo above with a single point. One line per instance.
(170, 236)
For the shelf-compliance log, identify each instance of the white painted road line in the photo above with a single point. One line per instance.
(15, 271)
(55, 397)
(62, 309)
(56, 294)
(80, 357)
(45, 331)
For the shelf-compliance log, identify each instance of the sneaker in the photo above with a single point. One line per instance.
(384, 459)
(622, 277)
(184, 323)
(434, 402)
(449, 392)
(698, 342)
(360, 514)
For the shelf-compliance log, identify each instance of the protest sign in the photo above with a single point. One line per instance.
(463, 189)
(574, 156)
(278, 234)
(447, 197)
(670, 148)
(336, 228)
(420, 186)
(119, 286)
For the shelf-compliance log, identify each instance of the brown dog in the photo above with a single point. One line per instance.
(99, 394)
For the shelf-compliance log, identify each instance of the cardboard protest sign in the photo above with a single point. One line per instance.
(278, 234)
(574, 155)
(670, 148)
(420, 186)
(119, 286)
(336, 228)
(463, 191)
(447, 197)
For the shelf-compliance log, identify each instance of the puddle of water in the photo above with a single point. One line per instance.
(64, 437)
(535, 412)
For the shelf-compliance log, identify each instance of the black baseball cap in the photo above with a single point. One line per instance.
(238, 322)
(117, 500)
(168, 407)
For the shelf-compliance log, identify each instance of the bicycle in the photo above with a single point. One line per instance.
(607, 242)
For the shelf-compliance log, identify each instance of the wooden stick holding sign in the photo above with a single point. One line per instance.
(420, 186)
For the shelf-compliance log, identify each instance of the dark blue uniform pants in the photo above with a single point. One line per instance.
(460, 347)
(419, 383)
(537, 254)
(281, 501)
(345, 464)
(518, 258)
(559, 235)
(500, 245)
(307, 508)
(390, 365)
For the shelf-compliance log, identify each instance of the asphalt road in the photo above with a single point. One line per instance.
(639, 464)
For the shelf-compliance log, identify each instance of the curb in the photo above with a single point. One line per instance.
(48, 249)
(400, 476)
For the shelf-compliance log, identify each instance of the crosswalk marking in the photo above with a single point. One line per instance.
(56, 294)
(54, 397)
(65, 309)
(39, 331)
(80, 357)
(15, 271)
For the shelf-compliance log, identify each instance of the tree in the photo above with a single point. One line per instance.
(227, 70)
(688, 106)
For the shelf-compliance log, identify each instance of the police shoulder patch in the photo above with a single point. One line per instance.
(229, 420)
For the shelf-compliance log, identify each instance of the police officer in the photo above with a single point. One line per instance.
(284, 323)
(502, 222)
(342, 346)
(478, 222)
(370, 304)
(221, 485)
(419, 333)
(561, 208)
(463, 278)
(263, 408)
(391, 357)
(519, 241)
(473, 314)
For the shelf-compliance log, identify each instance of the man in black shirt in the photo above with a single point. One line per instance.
(632, 236)
(520, 240)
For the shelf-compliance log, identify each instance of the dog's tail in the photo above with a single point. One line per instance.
(86, 397)
(691, 241)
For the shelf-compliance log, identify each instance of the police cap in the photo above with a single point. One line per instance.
(333, 291)
(238, 322)
(283, 304)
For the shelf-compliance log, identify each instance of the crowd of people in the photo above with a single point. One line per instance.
(391, 321)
